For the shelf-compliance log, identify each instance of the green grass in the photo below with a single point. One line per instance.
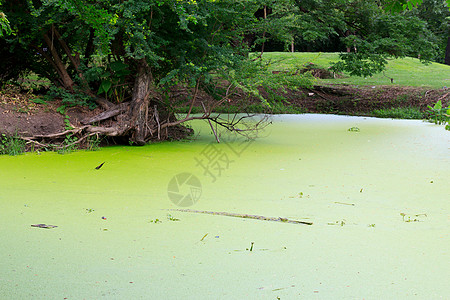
(11, 145)
(399, 113)
(405, 72)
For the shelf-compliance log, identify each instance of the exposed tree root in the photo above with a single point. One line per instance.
(117, 123)
(146, 118)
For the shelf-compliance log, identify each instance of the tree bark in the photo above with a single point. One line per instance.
(112, 112)
(139, 104)
(447, 52)
(59, 65)
(74, 59)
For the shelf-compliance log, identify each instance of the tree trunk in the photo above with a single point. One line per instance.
(447, 52)
(66, 81)
(139, 104)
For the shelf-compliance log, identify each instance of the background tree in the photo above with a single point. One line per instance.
(366, 32)
(436, 13)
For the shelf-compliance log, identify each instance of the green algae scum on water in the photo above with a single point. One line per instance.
(377, 198)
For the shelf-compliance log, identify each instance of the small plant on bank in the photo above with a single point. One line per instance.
(69, 145)
(439, 115)
(67, 124)
(93, 143)
(11, 145)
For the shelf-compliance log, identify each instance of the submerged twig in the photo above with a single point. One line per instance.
(244, 216)
(343, 203)
(210, 124)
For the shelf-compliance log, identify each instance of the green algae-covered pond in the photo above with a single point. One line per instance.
(378, 199)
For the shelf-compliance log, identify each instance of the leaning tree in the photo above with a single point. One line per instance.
(129, 55)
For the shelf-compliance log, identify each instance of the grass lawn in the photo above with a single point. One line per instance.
(405, 72)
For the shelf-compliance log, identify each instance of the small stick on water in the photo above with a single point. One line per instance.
(352, 204)
(251, 247)
(203, 237)
(100, 165)
(244, 216)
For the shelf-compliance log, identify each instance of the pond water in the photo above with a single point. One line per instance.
(378, 199)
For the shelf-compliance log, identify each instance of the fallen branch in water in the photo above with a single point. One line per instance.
(244, 216)
(43, 226)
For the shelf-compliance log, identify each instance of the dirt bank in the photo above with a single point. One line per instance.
(20, 114)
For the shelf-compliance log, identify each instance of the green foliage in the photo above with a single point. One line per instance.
(69, 99)
(11, 145)
(253, 77)
(401, 5)
(387, 36)
(61, 109)
(189, 42)
(113, 79)
(93, 143)
(38, 101)
(14, 62)
(360, 64)
(436, 13)
(399, 113)
(67, 124)
(439, 115)
(5, 28)
(69, 144)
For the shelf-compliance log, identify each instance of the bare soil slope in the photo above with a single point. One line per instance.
(19, 114)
